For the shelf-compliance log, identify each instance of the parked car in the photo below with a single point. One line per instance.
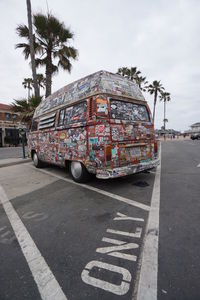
(195, 136)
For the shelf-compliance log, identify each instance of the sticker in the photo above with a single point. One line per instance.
(62, 136)
(93, 140)
(102, 106)
(101, 128)
(114, 153)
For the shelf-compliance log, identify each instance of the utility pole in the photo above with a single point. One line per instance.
(32, 51)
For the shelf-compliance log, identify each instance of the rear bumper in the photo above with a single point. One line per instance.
(127, 170)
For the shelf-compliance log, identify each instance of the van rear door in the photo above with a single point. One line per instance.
(132, 133)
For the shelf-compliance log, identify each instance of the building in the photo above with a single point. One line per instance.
(167, 132)
(195, 128)
(9, 123)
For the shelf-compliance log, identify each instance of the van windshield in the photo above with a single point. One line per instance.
(128, 111)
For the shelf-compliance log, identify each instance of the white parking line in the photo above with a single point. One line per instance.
(47, 284)
(147, 286)
(198, 166)
(111, 195)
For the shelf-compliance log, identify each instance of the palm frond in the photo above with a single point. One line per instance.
(23, 31)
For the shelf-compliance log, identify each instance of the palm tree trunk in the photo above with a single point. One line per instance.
(154, 105)
(164, 121)
(32, 52)
(48, 74)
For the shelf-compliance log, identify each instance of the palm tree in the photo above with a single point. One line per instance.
(51, 43)
(124, 71)
(142, 83)
(41, 80)
(165, 96)
(28, 83)
(32, 50)
(26, 109)
(154, 89)
(134, 73)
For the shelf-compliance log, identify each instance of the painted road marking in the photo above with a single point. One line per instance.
(110, 195)
(35, 216)
(118, 289)
(136, 234)
(121, 217)
(119, 246)
(198, 166)
(147, 286)
(6, 237)
(116, 249)
(46, 282)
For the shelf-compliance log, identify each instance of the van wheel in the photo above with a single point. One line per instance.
(79, 172)
(37, 162)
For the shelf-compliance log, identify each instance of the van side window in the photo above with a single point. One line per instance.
(68, 115)
(34, 125)
(61, 117)
(73, 114)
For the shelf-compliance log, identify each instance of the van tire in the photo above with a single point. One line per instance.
(37, 162)
(79, 172)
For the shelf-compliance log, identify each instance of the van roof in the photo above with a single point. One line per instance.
(97, 83)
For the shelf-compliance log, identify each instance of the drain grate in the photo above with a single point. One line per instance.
(140, 183)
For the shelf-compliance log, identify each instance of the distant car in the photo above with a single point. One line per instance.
(195, 136)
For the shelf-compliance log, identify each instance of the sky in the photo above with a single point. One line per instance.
(160, 37)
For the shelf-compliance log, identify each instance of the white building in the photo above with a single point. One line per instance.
(195, 128)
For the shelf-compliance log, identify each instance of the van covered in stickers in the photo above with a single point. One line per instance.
(100, 125)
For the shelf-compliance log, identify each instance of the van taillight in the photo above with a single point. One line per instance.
(108, 152)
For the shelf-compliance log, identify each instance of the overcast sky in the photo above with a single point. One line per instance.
(160, 37)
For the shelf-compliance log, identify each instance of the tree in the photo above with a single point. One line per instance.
(51, 44)
(142, 83)
(27, 83)
(165, 96)
(32, 50)
(41, 81)
(134, 75)
(154, 89)
(124, 71)
(26, 109)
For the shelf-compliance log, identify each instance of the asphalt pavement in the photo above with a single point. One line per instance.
(87, 241)
(179, 256)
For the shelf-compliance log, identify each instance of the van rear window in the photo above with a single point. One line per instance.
(128, 111)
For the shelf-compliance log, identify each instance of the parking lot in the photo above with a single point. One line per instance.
(134, 237)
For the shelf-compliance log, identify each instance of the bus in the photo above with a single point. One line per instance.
(100, 124)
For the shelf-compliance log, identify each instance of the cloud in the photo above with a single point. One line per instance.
(160, 37)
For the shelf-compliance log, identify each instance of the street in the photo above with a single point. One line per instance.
(63, 240)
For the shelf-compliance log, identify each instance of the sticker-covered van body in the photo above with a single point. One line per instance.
(100, 124)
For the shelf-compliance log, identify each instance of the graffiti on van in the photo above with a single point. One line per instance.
(105, 134)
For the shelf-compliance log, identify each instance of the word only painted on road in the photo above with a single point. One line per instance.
(115, 249)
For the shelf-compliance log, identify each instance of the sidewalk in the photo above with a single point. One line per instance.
(13, 161)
